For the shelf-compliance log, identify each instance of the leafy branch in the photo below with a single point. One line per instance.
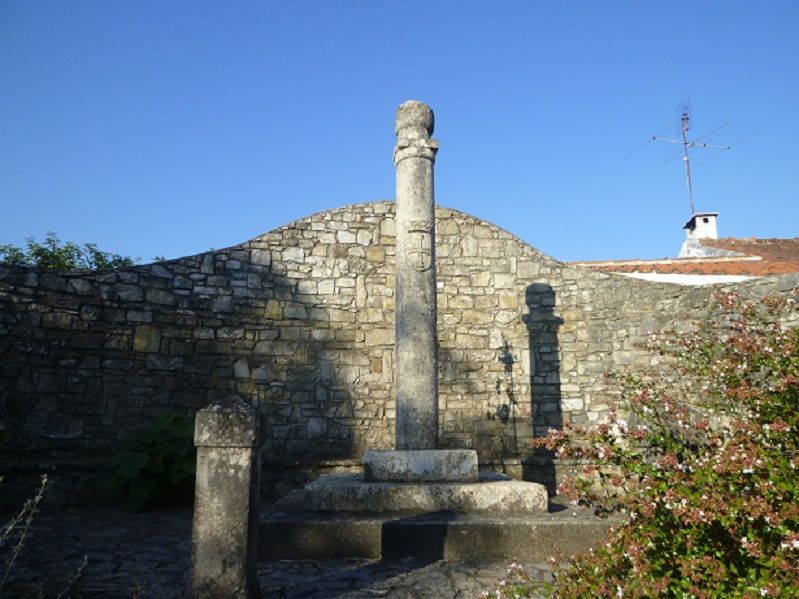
(54, 254)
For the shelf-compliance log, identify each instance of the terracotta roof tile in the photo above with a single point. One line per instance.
(760, 257)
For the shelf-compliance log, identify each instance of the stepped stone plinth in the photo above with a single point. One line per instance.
(289, 531)
(378, 513)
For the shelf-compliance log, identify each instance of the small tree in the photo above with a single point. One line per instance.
(54, 254)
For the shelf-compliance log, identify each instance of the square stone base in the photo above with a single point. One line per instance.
(290, 532)
(422, 465)
(494, 495)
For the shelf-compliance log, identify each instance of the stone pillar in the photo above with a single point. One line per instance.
(228, 436)
(415, 305)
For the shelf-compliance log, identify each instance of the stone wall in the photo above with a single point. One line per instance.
(300, 321)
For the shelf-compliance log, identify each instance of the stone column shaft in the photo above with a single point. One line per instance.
(415, 301)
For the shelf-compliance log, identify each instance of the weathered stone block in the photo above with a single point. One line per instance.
(274, 309)
(147, 339)
(375, 254)
(294, 310)
(379, 337)
(157, 296)
(57, 320)
(241, 369)
(346, 237)
(315, 428)
(481, 279)
(159, 270)
(139, 316)
(388, 227)
(494, 495)
(228, 436)
(229, 333)
(326, 287)
(433, 465)
(477, 317)
(536, 538)
(261, 257)
(461, 301)
(81, 287)
(222, 304)
(52, 282)
(573, 404)
(364, 237)
(306, 287)
(471, 341)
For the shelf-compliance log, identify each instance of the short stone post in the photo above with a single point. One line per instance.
(415, 305)
(228, 435)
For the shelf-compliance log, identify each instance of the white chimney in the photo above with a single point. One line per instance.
(702, 225)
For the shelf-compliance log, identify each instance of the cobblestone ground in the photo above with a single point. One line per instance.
(146, 556)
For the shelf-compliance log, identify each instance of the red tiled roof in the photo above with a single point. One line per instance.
(760, 257)
(783, 252)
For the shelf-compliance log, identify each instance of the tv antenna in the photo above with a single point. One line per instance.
(684, 124)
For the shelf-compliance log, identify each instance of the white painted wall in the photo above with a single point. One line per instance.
(680, 279)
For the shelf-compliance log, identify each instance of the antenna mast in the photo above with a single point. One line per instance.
(685, 125)
(684, 120)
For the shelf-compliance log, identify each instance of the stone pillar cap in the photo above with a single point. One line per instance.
(229, 422)
(414, 115)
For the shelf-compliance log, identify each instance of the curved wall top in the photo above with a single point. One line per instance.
(301, 321)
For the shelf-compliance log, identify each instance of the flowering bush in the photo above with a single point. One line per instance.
(705, 462)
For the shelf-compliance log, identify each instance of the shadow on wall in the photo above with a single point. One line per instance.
(507, 411)
(497, 430)
(303, 375)
(545, 383)
(92, 356)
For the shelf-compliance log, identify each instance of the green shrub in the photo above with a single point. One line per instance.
(155, 468)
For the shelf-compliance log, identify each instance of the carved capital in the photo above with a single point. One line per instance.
(415, 148)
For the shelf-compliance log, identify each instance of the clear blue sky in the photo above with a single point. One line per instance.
(165, 128)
